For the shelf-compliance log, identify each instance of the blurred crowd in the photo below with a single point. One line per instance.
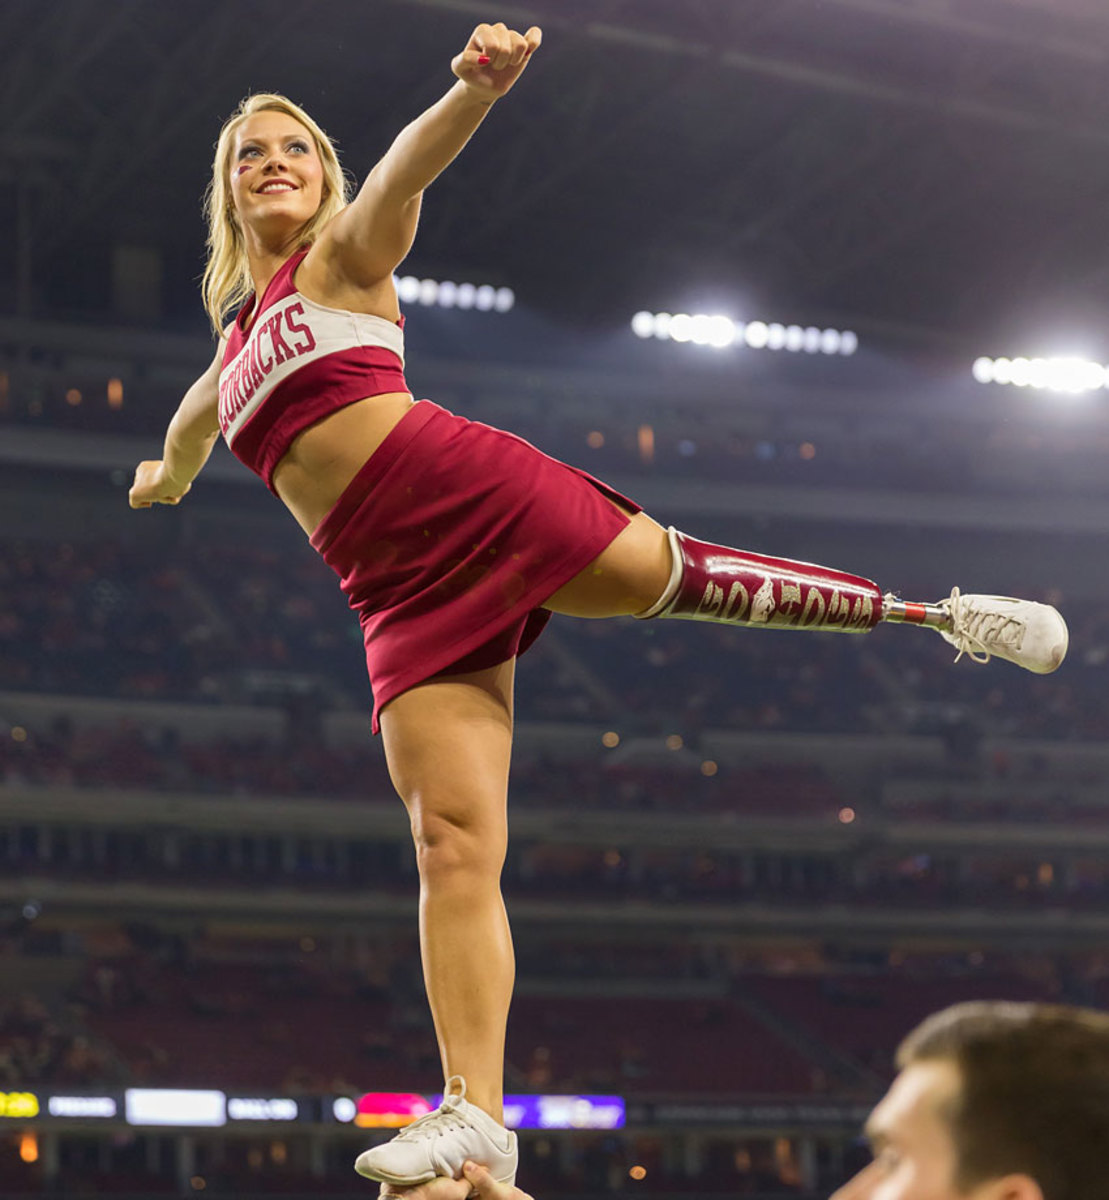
(252, 624)
(909, 449)
(854, 872)
(36, 1044)
(299, 1017)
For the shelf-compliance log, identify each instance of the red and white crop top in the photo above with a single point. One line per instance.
(295, 364)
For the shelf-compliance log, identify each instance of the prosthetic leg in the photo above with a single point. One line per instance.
(735, 587)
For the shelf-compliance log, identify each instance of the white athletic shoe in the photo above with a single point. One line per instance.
(440, 1142)
(1033, 636)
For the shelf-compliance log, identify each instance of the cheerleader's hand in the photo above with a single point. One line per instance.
(151, 486)
(494, 58)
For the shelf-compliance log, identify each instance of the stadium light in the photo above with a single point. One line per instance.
(1073, 376)
(757, 335)
(718, 332)
(433, 293)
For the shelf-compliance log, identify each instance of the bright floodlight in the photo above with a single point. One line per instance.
(1073, 376)
(698, 328)
(643, 324)
(1020, 372)
(983, 370)
(756, 335)
(718, 331)
(681, 327)
(408, 289)
(1039, 373)
(448, 294)
(702, 326)
(721, 331)
(702, 330)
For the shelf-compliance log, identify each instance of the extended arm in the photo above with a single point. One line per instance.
(192, 433)
(372, 235)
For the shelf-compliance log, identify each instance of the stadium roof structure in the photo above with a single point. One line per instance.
(933, 171)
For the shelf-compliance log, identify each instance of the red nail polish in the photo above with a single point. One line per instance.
(483, 60)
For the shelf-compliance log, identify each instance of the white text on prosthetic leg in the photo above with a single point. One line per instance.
(737, 587)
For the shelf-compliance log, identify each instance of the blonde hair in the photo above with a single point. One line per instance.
(227, 281)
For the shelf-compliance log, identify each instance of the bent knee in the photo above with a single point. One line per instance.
(452, 843)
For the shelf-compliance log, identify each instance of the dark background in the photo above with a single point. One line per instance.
(931, 172)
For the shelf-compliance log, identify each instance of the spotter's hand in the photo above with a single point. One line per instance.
(475, 1182)
(151, 486)
(495, 58)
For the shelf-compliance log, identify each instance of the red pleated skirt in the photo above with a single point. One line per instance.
(449, 539)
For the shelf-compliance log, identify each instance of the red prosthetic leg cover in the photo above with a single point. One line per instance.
(737, 587)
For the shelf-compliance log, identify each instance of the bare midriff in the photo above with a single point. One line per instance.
(322, 461)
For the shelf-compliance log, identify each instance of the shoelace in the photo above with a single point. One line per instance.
(441, 1120)
(972, 628)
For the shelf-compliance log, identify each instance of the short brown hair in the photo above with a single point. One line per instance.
(1034, 1092)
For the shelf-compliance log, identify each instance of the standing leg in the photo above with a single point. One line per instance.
(447, 743)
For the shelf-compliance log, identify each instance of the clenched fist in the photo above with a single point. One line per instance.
(152, 486)
(495, 58)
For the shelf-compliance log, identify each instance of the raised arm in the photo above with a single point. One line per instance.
(370, 237)
(192, 433)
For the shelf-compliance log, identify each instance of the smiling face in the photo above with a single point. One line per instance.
(276, 177)
(910, 1133)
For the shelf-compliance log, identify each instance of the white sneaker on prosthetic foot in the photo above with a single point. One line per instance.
(1032, 635)
(440, 1142)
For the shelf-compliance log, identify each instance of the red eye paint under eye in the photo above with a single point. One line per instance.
(241, 168)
